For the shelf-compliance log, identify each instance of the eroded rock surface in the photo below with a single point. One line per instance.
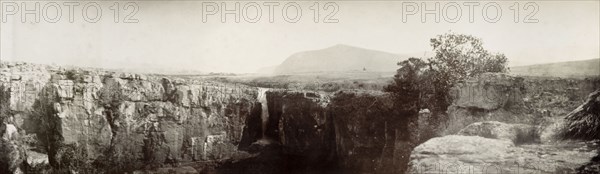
(487, 97)
(514, 100)
(127, 119)
(347, 132)
(488, 91)
(508, 124)
(516, 133)
(474, 154)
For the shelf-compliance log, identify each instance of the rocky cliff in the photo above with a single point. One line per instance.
(344, 132)
(504, 124)
(91, 119)
(125, 121)
(96, 121)
(510, 99)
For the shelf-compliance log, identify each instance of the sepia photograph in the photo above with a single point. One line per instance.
(299, 87)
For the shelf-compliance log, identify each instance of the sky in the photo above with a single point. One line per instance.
(187, 36)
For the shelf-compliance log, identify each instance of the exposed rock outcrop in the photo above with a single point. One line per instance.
(487, 97)
(126, 122)
(369, 137)
(12, 152)
(584, 122)
(474, 154)
(351, 131)
(301, 123)
(508, 125)
(516, 133)
(488, 91)
(128, 119)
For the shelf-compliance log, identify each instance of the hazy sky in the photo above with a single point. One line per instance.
(172, 35)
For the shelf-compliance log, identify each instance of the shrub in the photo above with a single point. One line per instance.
(584, 122)
(420, 84)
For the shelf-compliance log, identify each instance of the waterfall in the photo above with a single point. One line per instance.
(262, 98)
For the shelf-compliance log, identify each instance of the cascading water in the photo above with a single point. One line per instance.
(262, 98)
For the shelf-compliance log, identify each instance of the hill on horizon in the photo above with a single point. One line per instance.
(579, 68)
(340, 58)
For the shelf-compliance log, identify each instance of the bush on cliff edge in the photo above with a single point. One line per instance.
(420, 84)
(584, 122)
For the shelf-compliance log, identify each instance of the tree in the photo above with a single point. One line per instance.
(420, 84)
(461, 56)
(406, 92)
(458, 57)
(405, 89)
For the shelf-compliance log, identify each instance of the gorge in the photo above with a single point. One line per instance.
(95, 121)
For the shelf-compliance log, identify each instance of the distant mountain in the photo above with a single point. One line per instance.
(340, 58)
(582, 68)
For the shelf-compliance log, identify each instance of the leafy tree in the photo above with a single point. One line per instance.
(405, 88)
(458, 57)
(422, 84)
(407, 92)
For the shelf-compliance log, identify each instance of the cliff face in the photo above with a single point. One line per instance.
(507, 124)
(347, 132)
(488, 97)
(583, 123)
(124, 121)
(509, 99)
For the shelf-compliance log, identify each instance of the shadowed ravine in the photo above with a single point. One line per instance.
(264, 116)
(105, 122)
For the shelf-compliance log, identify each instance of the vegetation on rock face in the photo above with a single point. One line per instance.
(420, 84)
(584, 122)
(458, 57)
(4, 103)
(407, 90)
(369, 135)
(12, 147)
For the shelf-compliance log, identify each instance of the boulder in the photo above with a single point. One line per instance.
(516, 133)
(474, 154)
(9, 132)
(443, 153)
(488, 91)
(35, 159)
(584, 121)
(487, 97)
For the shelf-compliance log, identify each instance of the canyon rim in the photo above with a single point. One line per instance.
(299, 87)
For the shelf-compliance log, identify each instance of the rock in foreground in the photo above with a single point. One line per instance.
(474, 154)
(516, 133)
